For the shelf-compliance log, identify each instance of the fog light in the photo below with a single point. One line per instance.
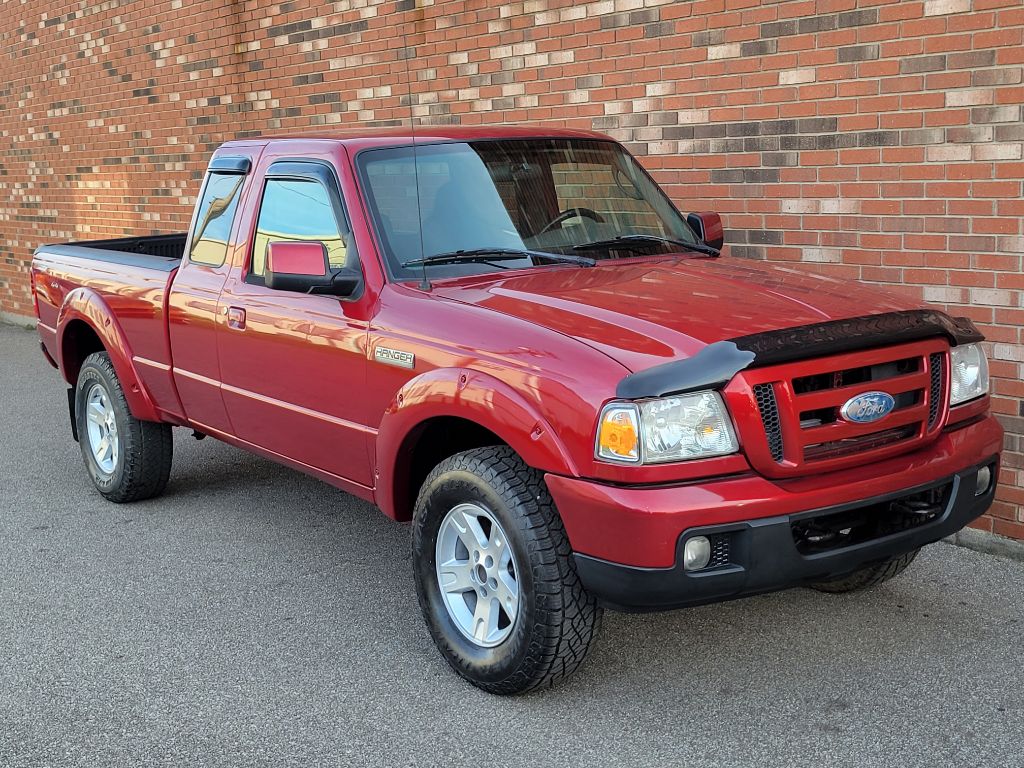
(696, 553)
(984, 481)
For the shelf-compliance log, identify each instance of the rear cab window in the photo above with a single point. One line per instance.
(216, 213)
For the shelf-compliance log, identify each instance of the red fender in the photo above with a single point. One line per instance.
(87, 305)
(465, 394)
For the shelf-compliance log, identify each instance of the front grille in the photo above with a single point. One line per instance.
(800, 407)
(769, 409)
(935, 367)
(860, 375)
(846, 446)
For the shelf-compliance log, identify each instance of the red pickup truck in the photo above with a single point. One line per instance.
(513, 339)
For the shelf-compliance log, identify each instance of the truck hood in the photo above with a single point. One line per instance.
(642, 313)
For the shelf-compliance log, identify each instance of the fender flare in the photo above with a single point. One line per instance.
(467, 394)
(88, 306)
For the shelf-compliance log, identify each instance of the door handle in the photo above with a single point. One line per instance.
(236, 317)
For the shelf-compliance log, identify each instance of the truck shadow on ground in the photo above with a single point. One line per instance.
(352, 555)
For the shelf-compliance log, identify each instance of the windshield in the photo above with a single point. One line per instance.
(547, 195)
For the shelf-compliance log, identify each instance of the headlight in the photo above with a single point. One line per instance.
(694, 426)
(968, 373)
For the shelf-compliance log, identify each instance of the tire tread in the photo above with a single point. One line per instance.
(568, 617)
(148, 448)
(869, 577)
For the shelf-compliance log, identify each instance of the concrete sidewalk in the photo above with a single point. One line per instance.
(256, 617)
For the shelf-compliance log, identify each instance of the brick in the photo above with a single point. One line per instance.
(728, 51)
(997, 152)
(779, 159)
(878, 139)
(779, 28)
(922, 136)
(1007, 114)
(817, 125)
(1011, 244)
(758, 47)
(918, 64)
(858, 18)
(965, 135)
(945, 7)
(797, 76)
(968, 98)
(858, 53)
(948, 153)
(1008, 76)
(811, 24)
(710, 37)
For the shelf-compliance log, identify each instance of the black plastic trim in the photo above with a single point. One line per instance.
(48, 356)
(717, 363)
(765, 558)
(837, 336)
(230, 164)
(710, 368)
(71, 413)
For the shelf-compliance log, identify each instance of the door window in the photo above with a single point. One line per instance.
(294, 210)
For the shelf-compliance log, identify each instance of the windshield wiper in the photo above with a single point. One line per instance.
(497, 254)
(637, 242)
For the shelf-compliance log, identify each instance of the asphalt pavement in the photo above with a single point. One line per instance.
(253, 616)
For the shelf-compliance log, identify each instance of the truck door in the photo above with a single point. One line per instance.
(292, 364)
(192, 303)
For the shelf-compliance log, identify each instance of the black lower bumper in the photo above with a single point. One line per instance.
(768, 554)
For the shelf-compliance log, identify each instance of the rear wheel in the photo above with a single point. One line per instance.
(127, 459)
(868, 577)
(495, 576)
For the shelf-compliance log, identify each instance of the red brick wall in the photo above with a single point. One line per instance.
(870, 139)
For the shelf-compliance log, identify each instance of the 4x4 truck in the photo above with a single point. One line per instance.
(511, 338)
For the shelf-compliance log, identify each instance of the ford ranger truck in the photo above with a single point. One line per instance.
(513, 339)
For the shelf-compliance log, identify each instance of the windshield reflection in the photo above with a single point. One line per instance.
(547, 195)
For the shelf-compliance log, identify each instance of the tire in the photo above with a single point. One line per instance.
(135, 462)
(555, 619)
(868, 577)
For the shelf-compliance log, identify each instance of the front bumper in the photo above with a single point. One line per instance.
(628, 540)
(767, 554)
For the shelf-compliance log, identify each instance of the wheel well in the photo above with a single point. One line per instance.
(79, 341)
(427, 445)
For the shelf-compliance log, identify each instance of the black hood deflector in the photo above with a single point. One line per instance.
(716, 364)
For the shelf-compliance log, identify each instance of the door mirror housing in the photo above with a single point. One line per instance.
(303, 267)
(708, 227)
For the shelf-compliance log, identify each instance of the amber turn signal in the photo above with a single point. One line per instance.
(618, 434)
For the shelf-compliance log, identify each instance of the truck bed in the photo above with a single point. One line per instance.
(161, 252)
(130, 277)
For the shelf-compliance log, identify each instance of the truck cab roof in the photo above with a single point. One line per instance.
(362, 138)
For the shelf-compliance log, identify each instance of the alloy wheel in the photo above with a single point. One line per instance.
(477, 574)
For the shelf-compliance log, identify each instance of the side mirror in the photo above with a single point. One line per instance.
(302, 267)
(708, 227)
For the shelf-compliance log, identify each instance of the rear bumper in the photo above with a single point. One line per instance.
(763, 554)
(628, 540)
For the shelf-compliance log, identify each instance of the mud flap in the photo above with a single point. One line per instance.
(71, 412)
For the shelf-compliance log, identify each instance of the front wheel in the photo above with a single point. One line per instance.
(127, 459)
(495, 576)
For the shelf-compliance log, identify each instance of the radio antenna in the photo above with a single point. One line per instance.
(407, 54)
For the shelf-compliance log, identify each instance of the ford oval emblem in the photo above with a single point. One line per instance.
(868, 407)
